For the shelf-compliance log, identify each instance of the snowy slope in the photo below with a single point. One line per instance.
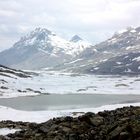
(105, 57)
(12, 82)
(49, 42)
(121, 52)
(124, 64)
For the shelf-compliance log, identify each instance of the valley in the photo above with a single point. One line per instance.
(44, 76)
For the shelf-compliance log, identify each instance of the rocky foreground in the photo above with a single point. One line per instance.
(119, 124)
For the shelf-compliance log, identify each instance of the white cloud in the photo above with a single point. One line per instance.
(94, 20)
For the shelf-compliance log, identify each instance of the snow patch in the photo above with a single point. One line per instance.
(126, 57)
(129, 47)
(73, 61)
(136, 59)
(133, 31)
(96, 68)
(95, 50)
(106, 52)
(113, 40)
(119, 63)
(104, 60)
(82, 65)
(6, 131)
(122, 31)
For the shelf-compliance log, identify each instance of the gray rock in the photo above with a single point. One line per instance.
(96, 121)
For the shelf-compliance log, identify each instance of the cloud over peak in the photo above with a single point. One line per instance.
(94, 20)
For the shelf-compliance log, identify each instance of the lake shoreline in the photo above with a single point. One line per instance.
(121, 123)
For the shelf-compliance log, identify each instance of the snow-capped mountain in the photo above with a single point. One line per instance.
(123, 51)
(116, 55)
(42, 48)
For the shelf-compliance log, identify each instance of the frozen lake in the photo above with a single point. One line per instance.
(48, 95)
(64, 102)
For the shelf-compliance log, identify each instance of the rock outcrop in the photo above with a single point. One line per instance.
(119, 124)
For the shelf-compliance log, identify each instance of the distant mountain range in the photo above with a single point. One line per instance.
(41, 48)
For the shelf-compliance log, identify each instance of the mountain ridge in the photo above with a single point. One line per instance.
(120, 45)
(43, 49)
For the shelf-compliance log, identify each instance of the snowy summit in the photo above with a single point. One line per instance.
(76, 38)
(42, 45)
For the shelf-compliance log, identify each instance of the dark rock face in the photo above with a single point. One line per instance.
(125, 64)
(120, 124)
(5, 71)
(76, 38)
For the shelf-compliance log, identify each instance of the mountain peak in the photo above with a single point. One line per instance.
(37, 34)
(76, 38)
(37, 30)
(41, 31)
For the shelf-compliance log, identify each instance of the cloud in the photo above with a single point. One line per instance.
(94, 20)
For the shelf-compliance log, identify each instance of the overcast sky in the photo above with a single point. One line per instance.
(93, 20)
